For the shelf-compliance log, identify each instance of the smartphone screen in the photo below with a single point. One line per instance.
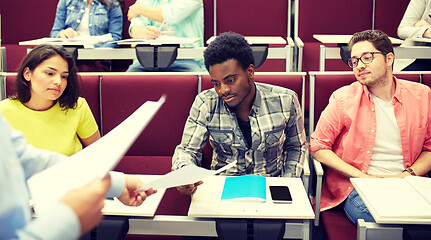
(280, 194)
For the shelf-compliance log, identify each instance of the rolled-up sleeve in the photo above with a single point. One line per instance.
(177, 10)
(328, 127)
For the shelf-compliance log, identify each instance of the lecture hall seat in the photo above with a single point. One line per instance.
(152, 152)
(426, 79)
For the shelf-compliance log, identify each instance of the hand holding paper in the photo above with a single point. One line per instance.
(189, 174)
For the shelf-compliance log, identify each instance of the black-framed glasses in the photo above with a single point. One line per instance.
(366, 58)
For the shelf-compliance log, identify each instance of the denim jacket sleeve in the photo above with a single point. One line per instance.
(116, 22)
(60, 19)
(115, 16)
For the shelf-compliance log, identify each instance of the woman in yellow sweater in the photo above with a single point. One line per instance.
(46, 106)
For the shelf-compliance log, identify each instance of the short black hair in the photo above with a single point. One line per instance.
(229, 45)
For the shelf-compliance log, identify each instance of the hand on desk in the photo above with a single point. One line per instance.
(87, 202)
(189, 189)
(67, 33)
(129, 196)
(148, 32)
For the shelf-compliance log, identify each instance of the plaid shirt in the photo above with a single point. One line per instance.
(277, 131)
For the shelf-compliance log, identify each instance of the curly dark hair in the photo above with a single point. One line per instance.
(33, 59)
(229, 45)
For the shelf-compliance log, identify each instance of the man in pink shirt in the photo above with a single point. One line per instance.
(379, 126)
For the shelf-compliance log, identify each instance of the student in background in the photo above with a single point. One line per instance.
(379, 126)
(47, 107)
(89, 18)
(416, 23)
(259, 125)
(182, 18)
(76, 213)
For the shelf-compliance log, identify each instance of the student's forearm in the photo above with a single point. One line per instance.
(153, 13)
(423, 164)
(330, 159)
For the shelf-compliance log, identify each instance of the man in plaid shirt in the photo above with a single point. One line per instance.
(259, 125)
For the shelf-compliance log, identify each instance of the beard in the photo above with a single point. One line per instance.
(379, 81)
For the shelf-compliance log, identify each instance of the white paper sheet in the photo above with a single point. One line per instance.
(158, 41)
(186, 175)
(96, 160)
(79, 40)
(391, 198)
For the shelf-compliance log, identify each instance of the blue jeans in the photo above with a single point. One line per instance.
(355, 208)
(179, 65)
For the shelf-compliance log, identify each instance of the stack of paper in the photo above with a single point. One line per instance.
(406, 198)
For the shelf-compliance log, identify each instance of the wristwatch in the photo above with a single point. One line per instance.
(410, 170)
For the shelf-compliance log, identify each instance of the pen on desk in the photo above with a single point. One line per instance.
(161, 25)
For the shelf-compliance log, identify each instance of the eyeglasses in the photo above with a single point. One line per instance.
(366, 58)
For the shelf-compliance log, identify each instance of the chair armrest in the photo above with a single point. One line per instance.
(290, 42)
(319, 178)
(306, 171)
(300, 44)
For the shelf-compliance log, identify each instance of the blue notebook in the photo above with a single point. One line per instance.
(245, 188)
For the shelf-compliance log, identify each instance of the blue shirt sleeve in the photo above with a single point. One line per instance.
(118, 182)
(18, 161)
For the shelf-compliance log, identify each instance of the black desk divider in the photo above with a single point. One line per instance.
(157, 56)
(260, 52)
(73, 51)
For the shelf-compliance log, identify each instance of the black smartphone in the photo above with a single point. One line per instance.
(280, 194)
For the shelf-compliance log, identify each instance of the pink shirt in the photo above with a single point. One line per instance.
(347, 126)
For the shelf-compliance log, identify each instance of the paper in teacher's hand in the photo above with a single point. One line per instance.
(186, 175)
(94, 161)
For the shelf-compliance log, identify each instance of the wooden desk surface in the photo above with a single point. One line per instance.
(345, 39)
(147, 209)
(206, 202)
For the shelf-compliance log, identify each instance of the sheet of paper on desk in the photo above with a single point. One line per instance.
(87, 42)
(419, 39)
(422, 185)
(88, 39)
(94, 161)
(186, 175)
(392, 198)
(164, 39)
